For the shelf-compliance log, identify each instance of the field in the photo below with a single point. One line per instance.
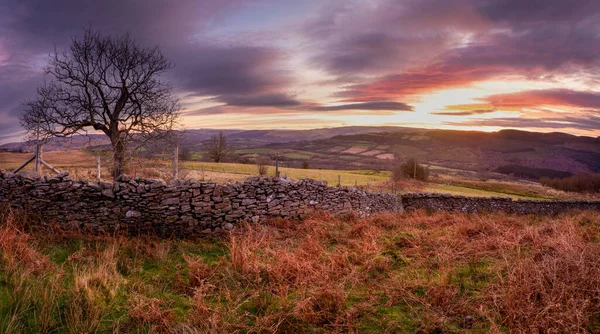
(81, 164)
(413, 272)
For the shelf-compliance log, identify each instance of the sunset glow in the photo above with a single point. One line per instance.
(459, 64)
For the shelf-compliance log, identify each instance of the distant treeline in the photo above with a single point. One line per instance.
(532, 173)
(580, 182)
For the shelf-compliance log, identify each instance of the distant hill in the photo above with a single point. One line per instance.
(521, 153)
(195, 136)
(59, 144)
(465, 150)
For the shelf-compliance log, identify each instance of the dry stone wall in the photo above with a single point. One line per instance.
(186, 208)
(181, 208)
(492, 204)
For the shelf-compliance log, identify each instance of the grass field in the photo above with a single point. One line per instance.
(10, 160)
(464, 191)
(401, 273)
(82, 164)
(348, 177)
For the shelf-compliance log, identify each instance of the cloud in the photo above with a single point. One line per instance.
(532, 54)
(410, 48)
(586, 123)
(209, 70)
(267, 105)
(464, 113)
(38, 25)
(260, 100)
(548, 97)
(378, 36)
(204, 66)
(374, 106)
(365, 52)
(17, 83)
(538, 11)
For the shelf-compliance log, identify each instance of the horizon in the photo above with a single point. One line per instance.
(331, 128)
(467, 65)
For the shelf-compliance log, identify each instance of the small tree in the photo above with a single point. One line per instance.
(410, 169)
(262, 165)
(305, 165)
(217, 147)
(110, 84)
(185, 154)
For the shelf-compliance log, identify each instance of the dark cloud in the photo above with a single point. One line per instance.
(264, 100)
(464, 112)
(416, 47)
(533, 54)
(38, 25)
(266, 105)
(245, 110)
(31, 29)
(373, 106)
(538, 11)
(206, 70)
(17, 83)
(379, 36)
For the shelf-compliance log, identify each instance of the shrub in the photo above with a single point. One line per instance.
(410, 169)
(262, 165)
(185, 154)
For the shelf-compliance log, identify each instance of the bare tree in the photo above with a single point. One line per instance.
(217, 147)
(110, 84)
(185, 153)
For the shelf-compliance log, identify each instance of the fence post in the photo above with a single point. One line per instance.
(415, 170)
(38, 157)
(277, 164)
(98, 176)
(339, 181)
(176, 162)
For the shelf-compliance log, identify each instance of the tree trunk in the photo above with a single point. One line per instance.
(118, 157)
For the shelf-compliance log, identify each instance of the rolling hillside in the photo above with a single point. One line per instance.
(471, 151)
(525, 154)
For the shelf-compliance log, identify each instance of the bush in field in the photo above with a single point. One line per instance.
(580, 182)
(185, 154)
(410, 169)
(305, 165)
(262, 166)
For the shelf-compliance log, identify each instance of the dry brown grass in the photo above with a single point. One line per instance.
(413, 272)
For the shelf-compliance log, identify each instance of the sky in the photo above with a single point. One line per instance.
(262, 64)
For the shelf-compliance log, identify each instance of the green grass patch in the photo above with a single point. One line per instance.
(348, 177)
(466, 191)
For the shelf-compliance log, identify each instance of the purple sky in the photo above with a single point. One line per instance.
(462, 64)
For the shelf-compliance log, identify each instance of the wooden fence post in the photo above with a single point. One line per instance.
(176, 162)
(277, 165)
(38, 157)
(98, 168)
